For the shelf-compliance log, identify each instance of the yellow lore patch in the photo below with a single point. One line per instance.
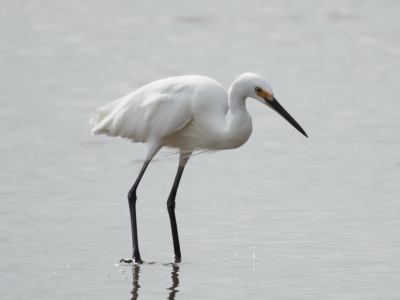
(266, 95)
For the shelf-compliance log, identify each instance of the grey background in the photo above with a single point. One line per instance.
(282, 217)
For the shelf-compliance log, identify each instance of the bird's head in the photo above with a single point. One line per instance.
(256, 87)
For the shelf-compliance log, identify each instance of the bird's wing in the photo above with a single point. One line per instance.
(148, 114)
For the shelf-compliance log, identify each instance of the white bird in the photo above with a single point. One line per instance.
(186, 113)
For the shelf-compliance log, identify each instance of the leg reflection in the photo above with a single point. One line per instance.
(135, 282)
(175, 282)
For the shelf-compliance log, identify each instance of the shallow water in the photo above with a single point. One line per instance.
(282, 217)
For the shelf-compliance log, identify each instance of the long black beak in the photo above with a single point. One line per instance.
(274, 104)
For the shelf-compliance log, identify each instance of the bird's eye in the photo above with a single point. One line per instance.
(258, 90)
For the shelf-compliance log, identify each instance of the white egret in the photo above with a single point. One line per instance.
(186, 113)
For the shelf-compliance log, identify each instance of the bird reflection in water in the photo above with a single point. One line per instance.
(175, 282)
(135, 282)
(173, 289)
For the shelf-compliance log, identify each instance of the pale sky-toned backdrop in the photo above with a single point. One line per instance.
(282, 217)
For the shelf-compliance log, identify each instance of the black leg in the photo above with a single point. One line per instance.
(132, 208)
(171, 212)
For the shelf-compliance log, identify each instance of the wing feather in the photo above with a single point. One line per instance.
(150, 113)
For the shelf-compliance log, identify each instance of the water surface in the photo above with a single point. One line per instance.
(282, 217)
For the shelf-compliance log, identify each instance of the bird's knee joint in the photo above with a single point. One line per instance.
(171, 206)
(132, 196)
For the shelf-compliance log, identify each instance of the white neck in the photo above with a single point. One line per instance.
(241, 126)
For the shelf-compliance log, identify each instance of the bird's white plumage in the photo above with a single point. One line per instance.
(157, 110)
(186, 112)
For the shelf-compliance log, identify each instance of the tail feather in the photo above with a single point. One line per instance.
(99, 114)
